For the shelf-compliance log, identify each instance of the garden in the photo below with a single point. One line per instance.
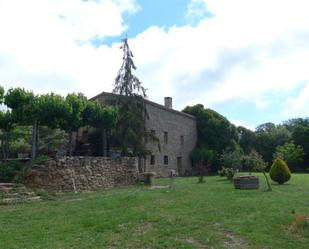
(190, 215)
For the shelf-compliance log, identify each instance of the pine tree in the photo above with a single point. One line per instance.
(130, 99)
(127, 84)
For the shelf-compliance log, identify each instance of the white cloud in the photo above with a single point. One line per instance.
(196, 10)
(45, 45)
(248, 49)
(243, 123)
(298, 106)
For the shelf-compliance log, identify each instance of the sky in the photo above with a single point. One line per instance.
(246, 59)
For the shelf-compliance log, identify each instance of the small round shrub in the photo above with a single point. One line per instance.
(279, 171)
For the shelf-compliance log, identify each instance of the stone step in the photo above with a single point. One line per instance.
(15, 200)
(34, 198)
(11, 195)
(13, 189)
(20, 194)
(20, 188)
(11, 200)
(6, 189)
(6, 184)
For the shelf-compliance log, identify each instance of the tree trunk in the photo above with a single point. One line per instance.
(70, 143)
(7, 142)
(5, 146)
(104, 143)
(34, 139)
(268, 185)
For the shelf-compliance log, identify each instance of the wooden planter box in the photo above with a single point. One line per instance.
(246, 182)
(148, 177)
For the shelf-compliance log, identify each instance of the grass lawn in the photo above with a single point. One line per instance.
(192, 215)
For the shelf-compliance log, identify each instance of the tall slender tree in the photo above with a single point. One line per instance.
(126, 83)
(131, 95)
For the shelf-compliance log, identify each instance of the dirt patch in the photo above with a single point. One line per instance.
(196, 243)
(299, 226)
(76, 199)
(143, 228)
(230, 240)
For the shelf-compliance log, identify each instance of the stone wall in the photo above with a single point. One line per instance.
(181, 136)
(71, 174)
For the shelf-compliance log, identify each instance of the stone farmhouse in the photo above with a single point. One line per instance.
(176, 132)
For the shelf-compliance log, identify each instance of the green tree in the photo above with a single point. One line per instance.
(256, 163)
(130, 99)
(203, 155)
(247, 139)
(74, 119)
(266, 127)
(232, 159)
(214, 131)
(7, 122)
(301, 137)
(292, 154)
(35, 110)
(24, 105)
(1, 94)
(54, 113)
(202, 159)
(101, 117)
(268, 140)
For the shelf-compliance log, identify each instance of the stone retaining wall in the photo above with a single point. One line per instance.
(72, 174)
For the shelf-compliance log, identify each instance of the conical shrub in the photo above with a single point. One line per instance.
(279, 171)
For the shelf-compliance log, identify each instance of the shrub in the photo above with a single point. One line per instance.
(228, 172)
(8, 170)
(232, 159)
(279, 171)
(222, 172)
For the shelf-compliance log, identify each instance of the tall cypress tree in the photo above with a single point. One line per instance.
(130, 99)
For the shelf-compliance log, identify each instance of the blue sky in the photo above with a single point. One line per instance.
(246, 59)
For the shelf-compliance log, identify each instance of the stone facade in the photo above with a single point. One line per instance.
(176, 132)
(69, 174)
(177, 135)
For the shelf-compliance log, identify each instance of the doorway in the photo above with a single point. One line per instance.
(179, 165)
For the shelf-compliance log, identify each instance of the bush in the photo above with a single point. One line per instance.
(228, 172)
(222, 172)
(232, 159)
(279, 171)
(292, 154)
(8, 170)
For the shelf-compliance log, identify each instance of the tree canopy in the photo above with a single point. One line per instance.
(214, 131)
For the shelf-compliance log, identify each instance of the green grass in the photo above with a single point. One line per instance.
(192, 215)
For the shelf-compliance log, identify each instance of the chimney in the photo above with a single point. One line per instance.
(168, 102)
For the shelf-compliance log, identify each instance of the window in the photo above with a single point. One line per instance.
(165, 137)
(152, 160)
(166, 160)
(153, 132)
(182, 140)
